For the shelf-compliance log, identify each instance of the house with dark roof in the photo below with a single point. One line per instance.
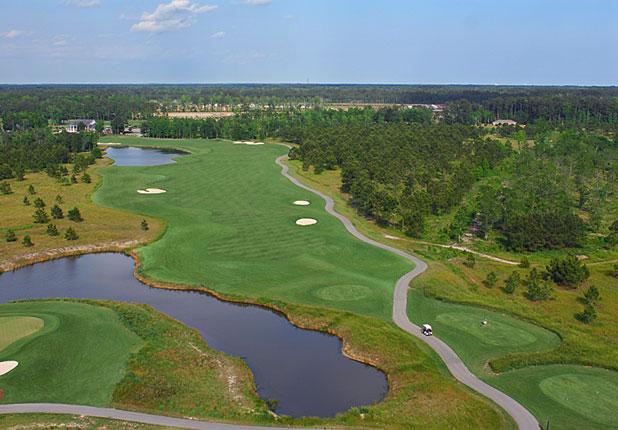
(74, 126)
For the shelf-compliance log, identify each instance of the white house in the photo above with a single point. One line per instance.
(504, 122)
(74, 126)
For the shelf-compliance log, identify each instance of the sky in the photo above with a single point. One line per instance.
(534, 42)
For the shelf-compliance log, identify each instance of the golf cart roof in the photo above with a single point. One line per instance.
(426, 326)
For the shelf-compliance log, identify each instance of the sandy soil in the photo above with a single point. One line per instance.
(7, 366)
(306, 221)
(151, 191)
(302, 203)
(199, 114)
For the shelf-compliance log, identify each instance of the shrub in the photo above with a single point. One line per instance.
(538, 290)
(491, 280)
(39, 203)
(592, 295)
(31, 190)
(56, 212)
(569, 272)
(470, 260)
(588, 315)
(73, 179)
(70, 234)
(5, 188)
(40, 216)
(86, 178)
(512, 282)
(59, 199)
(26, 201)
(52, 230)
(27, 242)
(144, 225)
(10, 236)
(524, 264)
(74, 215)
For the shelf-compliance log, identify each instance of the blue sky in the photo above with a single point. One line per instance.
(324, 41)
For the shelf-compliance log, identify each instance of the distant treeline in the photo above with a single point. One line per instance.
(30, 106)
(261, 124)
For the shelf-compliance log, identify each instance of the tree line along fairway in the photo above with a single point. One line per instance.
(232, 228)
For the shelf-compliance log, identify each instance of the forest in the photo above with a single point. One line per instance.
(541, 184)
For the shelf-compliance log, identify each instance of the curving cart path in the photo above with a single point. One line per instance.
(524, 419)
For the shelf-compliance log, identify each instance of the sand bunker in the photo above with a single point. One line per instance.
(248, 143)
(306, 221)
(302, 203)
(110, 143)
(151, 191)
(7, 366)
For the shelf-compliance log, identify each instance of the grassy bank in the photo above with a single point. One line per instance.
(101, 228)
(59, 421)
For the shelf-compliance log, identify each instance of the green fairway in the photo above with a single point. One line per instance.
(461, 327)
(78, 356)
(14, 328)
(569, 396)
(232, 228)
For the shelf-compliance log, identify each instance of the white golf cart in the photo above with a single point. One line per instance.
(426, 330)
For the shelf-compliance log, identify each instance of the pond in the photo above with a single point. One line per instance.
(131, 156)
(305, 370)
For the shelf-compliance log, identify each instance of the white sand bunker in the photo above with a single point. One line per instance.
(7, 366)
(306, 221)
(301, 203)
(152, 191)
(248, 143)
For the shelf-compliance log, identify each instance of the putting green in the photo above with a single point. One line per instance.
(496, 332)
(77, 356)
(344, 292)
(15, 328)
(232, 228)
(591, 396)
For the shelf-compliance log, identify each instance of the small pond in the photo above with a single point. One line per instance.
(131, 156)
(305, 370)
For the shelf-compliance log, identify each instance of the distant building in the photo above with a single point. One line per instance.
(74, 126)
(504, 122)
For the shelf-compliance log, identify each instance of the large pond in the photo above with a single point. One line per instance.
(131, 156)
(305, 370)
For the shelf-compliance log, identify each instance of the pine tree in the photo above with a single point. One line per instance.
(5, 188)
(470, 260)
(39, 203)
(56, 212)
(74, 215)
(26, 201)
(144, 225)
(40, 216)
(524, 264)
(27, 242)
(491, 280)
(70, 234)
(31, 190)
(59, 199)
(86, 178)
(10, 236)
(52, 230)
(592, 295)
(512, 282)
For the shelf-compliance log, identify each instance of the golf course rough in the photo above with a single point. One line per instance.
(232, 229)
(77, 356)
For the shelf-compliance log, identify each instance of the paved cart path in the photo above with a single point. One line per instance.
(524, 419)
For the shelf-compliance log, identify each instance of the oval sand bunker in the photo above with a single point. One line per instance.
(306, 221)
(151, 191)
(7, 366)
(302, 203)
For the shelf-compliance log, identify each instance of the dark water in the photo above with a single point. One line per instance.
(303, 369)
(130, 156)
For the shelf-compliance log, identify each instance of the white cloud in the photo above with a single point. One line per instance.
(12, 34)
(82, 3)
(218, 35)
(288, 17)
(171, 16)
(60, 43)
(257, 2)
